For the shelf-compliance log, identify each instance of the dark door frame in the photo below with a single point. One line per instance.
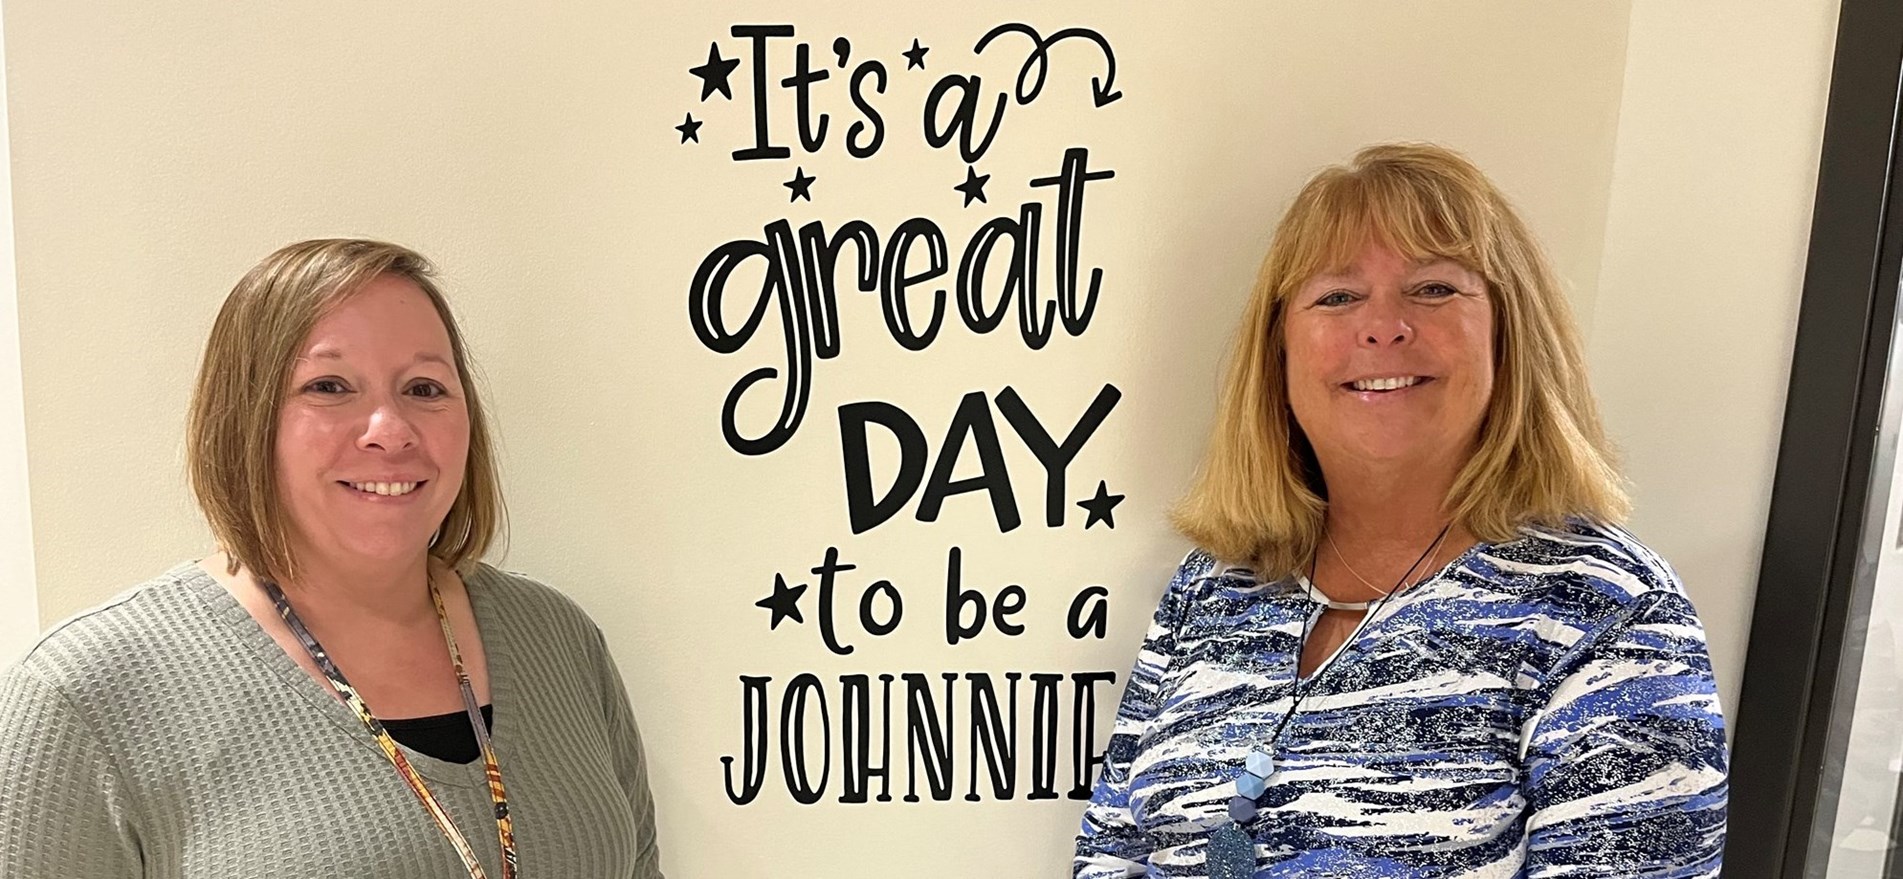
(1819, 547)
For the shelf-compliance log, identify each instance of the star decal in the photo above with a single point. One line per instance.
(784, 602)
(974, 185)
(713, 75)
(801, 185)
(1100, 506)
(916, 57)
(690, 130)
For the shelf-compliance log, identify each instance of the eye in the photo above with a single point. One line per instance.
(1335, 297)
(1436, 290)
(326, 386)
(428, 390)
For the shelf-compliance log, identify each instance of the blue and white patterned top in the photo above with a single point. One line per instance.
(1542, 707)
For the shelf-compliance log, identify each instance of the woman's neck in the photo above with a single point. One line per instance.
(1382, 520)
(377, 593)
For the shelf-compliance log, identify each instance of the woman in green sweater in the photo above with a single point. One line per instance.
(344, 688)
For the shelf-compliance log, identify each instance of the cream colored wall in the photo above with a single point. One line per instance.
(206, 139)
(19, 598)
(1706, 237)
(159, 149)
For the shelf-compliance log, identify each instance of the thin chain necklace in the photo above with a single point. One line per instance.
(1330, 537)
(1231, 850)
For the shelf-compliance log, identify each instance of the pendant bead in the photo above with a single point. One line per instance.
(1241, 809)
(1231, 853)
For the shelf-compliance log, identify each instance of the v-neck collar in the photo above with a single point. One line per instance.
(1378, 613)
(225, 606)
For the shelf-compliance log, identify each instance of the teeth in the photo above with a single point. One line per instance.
(391, 489)
(1387, 384)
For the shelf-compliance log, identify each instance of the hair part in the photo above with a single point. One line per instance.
(243, 378)
(1542, 456)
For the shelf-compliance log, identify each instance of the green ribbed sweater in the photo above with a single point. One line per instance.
(165, 734)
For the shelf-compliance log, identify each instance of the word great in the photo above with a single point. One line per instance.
(799, 283)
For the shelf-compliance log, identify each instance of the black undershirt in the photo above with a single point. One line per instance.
(446, 737)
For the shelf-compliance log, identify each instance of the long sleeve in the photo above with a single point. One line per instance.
(631, 767)
(1625, 767)
(1110, 843)
(64, 809)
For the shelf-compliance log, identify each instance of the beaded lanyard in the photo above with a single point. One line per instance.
(505, 831)
(1230, 853)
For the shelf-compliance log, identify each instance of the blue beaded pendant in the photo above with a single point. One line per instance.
(1231, 853)
(1260, 764)
(1241, 809)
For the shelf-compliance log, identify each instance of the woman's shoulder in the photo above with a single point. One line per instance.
(145, 626)
(1204, 582)
(529, 603)
(1201, 571)
(1579, 548)
(1585, 572)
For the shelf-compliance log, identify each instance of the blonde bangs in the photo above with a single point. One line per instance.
(1344, 210)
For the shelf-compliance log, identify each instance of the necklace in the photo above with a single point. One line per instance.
(1330, 537)
(1231, 850)
(505, 830)
(1360, 605)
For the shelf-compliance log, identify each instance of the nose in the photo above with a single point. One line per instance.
(387, 430)
(1383, 323)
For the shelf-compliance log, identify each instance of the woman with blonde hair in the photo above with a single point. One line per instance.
(1414, 640)
(344, 688)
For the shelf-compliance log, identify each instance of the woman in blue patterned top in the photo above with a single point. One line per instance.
(1415, 642)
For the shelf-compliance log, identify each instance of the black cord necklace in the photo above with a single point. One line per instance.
(1231, 852)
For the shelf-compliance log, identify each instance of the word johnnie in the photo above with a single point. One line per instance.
(932, 737)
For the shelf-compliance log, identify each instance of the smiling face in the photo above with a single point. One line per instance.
(1390, 361)
(373, 436)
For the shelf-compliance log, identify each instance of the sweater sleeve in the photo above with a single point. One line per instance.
(1626, 765)
(631, 766)
(1111, 843)
(64, 809)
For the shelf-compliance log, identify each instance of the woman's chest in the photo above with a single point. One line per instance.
(331, 807)
(259, 775)
(1412, 728)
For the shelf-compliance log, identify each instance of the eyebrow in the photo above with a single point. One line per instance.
(327, 353)
(1347, 273)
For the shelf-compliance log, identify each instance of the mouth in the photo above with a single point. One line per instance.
(384, 489)
(1370, 388)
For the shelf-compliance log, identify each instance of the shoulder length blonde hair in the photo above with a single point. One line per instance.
(231, 432)
(1542, 456)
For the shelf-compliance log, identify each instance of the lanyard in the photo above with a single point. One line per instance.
(505, 831)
